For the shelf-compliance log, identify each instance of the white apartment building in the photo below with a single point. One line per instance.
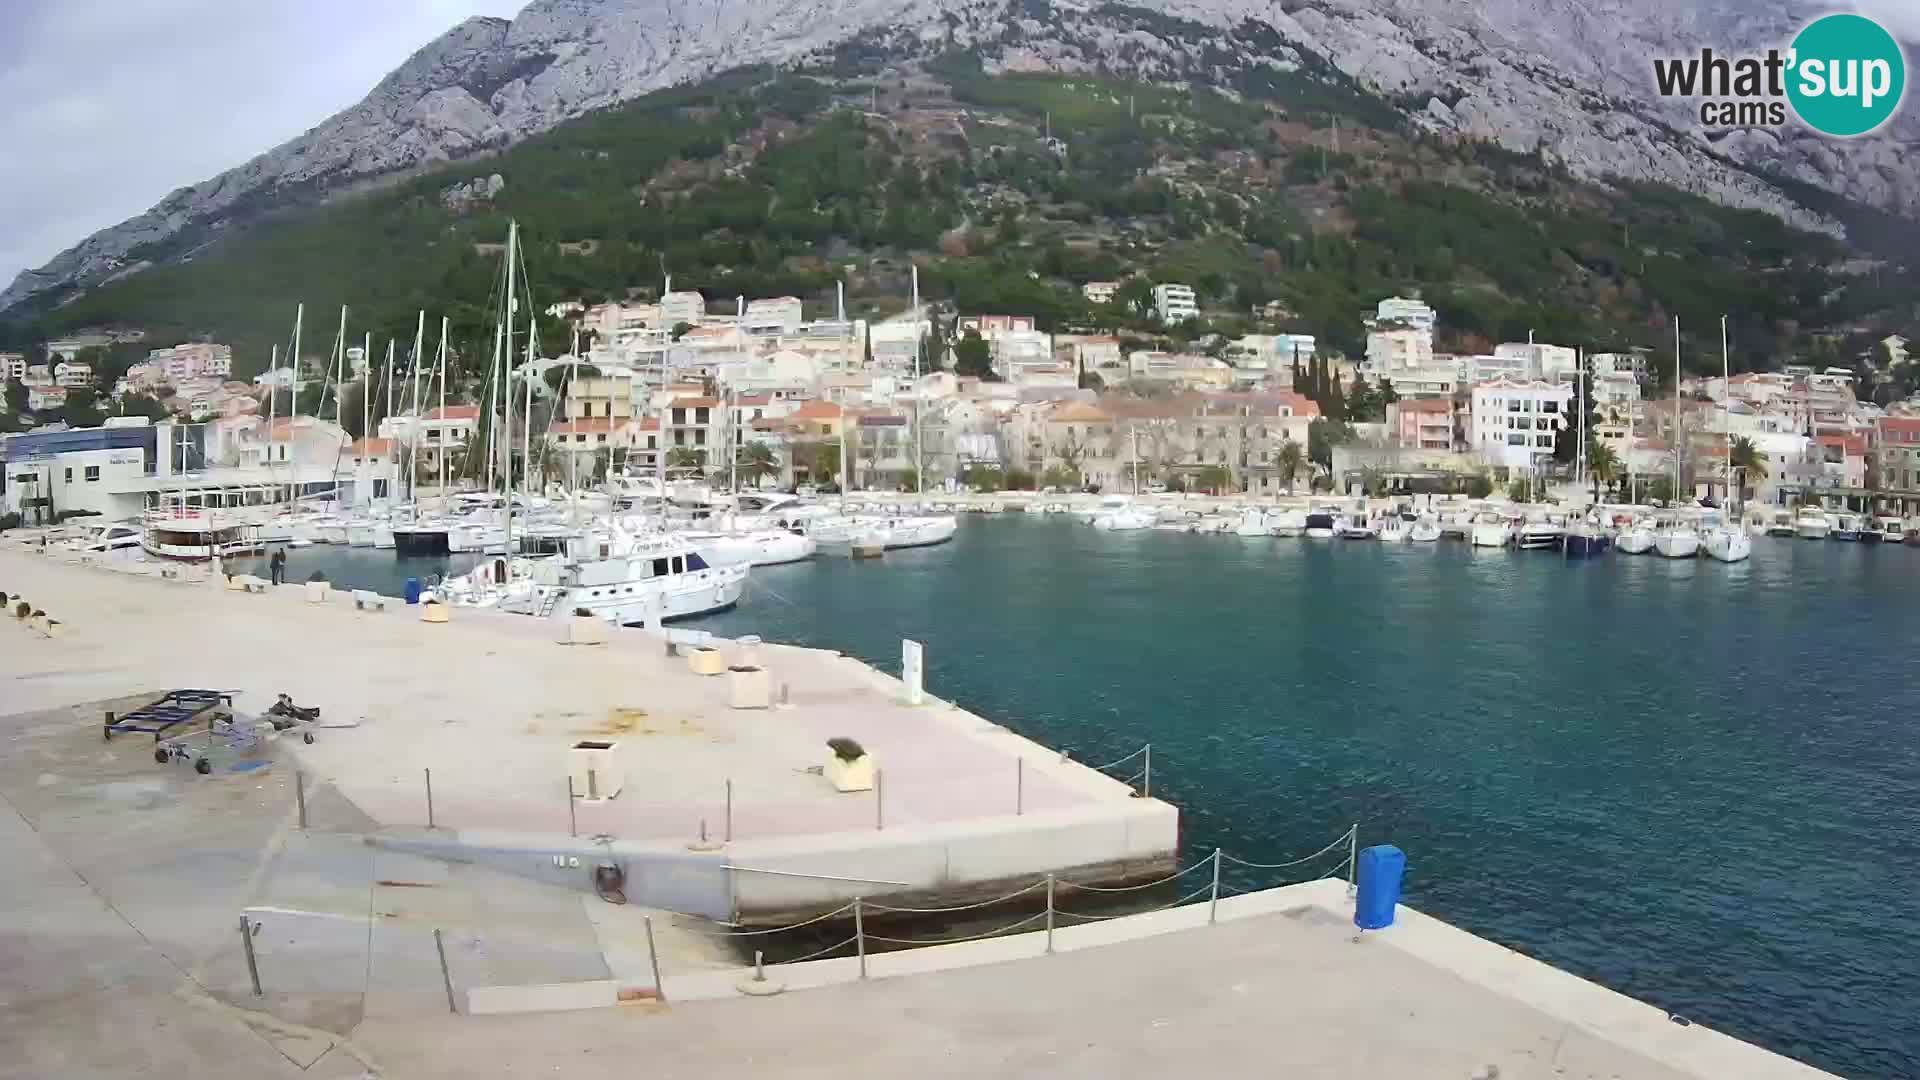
(776, 317)
(72, 374)
(1175, 303)
(1540, 361)
(1515, 422)
(1414, 313)
(683, 307)
(1393, 351)
(1100, 292)
(1626, 363)
(13, 366)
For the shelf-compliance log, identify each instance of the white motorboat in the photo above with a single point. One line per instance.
(1397, 528)
(1253, 522)
(1636, 538)
(1352, 528)
(1425, 530)
(1491, 529)
(1287, 523)
(1812, 523)
(196, 535)
(1892, 530)
(1322, 524)
(1676, 539)
(902, 532)
(761, 547)
(1725, 542)
(1125, 519)
(1845, 527)
(100, 539)
(666, 577)
(1541, 533)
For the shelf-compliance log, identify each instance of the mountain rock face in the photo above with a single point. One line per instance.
(1572, 78)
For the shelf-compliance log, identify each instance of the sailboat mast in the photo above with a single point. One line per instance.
(919, 457)
(339, 362)
(1726, 402)
(1676, 408)
(366, 385)
(441, 451)
(415, 426)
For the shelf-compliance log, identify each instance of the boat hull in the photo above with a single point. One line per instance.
(1636, 542)
(1677, 545)
(1728, 545)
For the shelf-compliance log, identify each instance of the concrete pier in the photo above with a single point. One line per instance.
(723, 812)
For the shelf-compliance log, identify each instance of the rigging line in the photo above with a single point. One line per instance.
(1122, 761)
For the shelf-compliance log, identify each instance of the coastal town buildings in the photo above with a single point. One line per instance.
(1174, 303)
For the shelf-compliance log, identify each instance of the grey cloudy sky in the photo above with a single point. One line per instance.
(108, 105)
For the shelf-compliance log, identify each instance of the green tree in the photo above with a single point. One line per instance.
(1746, 457)
(680, 330)
(757, 462)
(820, 459)
(1019, 480)
(16, 396)
(1060, 476)
(972, 356)
(132, 404)
(686, 457)
(1604, 466)
(1479, 485)
(1323, 435)
(983, 478)
(1214, 478)
(1360, 401)
(80, 409)
(1289, 459)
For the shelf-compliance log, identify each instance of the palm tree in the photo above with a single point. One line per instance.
(1603, 466)
(1289, 461)
(1745, 456)
(757, 462)
(684, 457)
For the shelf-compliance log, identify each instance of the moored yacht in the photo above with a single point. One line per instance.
(1725, 541)
(1490, 529)
(1541, 533)
(1845, 527)
(663, 576)
(1636, 538)
(1812, 523)
(1287, 523)
(1892, 530)
(1321, 524)
(1676, 539)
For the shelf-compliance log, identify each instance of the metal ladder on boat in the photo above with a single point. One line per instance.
(549, 602)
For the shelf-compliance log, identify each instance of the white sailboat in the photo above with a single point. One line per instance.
(1676, 538)
(1723, 539)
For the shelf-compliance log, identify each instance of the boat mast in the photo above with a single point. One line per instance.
(573, 459)
(366, 385)
(441, 451)
(919, 458)
(293, 407)
(415, 426)
(1580, 458)
(1676, 408)
(1726, 409)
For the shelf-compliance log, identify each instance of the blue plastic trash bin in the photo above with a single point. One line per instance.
(1380, 870)
(412, 590)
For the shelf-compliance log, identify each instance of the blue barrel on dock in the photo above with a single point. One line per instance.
(1381, 868)
(412, 590)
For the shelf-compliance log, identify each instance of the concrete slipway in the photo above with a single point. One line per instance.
(120, 952)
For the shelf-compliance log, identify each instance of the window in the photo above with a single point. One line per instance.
(659, 568)
(1550, 406)
(579, 438)
(69, 477)
(679, 416)
(1516, 440)
(1545, 442)
(603, 438)
(700, 415)
(93, 474)
(650, 442)
(699, 436)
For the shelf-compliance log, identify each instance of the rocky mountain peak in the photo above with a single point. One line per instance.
(1571, 78)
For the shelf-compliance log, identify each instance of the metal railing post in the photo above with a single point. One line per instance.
(1019, 786)
(653, 961)
(860, 936)
(1353, 859)
(1147, 791)
(446, 976)
(879, 801)
(573, 824)
(246, 943)
(1049, 913)
(429, 774)
(1213, 905)
(300, 795)
(729, 832)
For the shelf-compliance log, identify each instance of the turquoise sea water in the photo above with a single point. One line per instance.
(1694, 783)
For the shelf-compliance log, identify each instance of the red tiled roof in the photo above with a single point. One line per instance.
(455, 412)
(1079, 412)
(1426, 405)
(1906, 424)
(696, 403)
(817, 409)
(754, 399)
(372, 447)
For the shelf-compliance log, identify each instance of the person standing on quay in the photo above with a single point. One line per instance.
(277, 567)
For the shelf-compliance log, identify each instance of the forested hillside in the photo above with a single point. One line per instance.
(1290, 186)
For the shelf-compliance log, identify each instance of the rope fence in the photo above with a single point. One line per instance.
(1210, 893)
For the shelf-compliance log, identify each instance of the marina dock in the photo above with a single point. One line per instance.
(371, 943)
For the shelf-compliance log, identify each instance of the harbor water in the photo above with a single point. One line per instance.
(1695, 783)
